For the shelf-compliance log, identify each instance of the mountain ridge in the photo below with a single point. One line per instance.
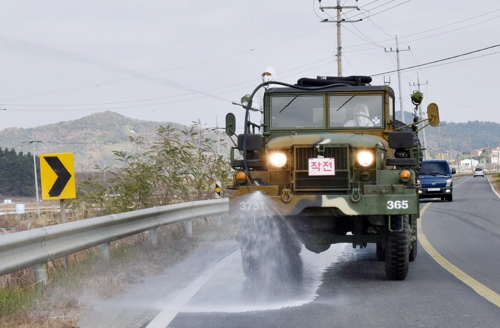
(92, 139)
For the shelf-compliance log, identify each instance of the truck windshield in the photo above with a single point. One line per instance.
(441, 168)
(352, 111)
(297, 111)
(356, 111)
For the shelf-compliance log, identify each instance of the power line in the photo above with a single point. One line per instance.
(439, 60)
(192, 93)
(329, 58)
(252, 49)
(437, 28)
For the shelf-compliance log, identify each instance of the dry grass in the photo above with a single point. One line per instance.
(495, 181)
(60, 303)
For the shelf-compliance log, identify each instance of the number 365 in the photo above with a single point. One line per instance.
(397, 204)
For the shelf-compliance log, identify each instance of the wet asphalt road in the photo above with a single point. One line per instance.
(342, 287)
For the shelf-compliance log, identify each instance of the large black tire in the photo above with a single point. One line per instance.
(420, 155)
(449, 198)
(250, 251)
(397, 249)
(380, 252)
(267, 250)
(413, 240)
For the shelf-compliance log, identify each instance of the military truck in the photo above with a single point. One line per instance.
(331, 156)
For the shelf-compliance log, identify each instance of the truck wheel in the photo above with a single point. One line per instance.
(288, 237)
(250, 252)
(413, 240)
(380, 252)
(266, 252)
(449, 198)
(250, 262)
(397, 249)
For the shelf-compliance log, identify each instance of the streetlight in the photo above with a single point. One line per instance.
(36, 178)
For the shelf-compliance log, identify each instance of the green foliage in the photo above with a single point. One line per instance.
(17, 173)
(177, 166)
(16, 298)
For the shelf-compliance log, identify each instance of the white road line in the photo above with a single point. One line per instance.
(493, 188)
(166, 316)
(479, 288)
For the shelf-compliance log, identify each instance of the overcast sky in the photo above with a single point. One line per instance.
(184, 61)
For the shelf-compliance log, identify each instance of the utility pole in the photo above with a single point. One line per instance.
(218, 138)
(449, 139)
(489, 151)
(36, 178)
(451, 154)
(339, 21)
(439, 134)
(399, 76)
(421, 117)
(470, 149)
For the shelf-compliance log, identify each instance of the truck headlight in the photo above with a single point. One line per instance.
(365, 158)
(278, 159)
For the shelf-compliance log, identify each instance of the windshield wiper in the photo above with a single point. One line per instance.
(288, 103)
(346, 102)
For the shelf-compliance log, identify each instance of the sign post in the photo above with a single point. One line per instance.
(218, 190)
(58, 180)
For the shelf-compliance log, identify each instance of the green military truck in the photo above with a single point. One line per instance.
(336, 164)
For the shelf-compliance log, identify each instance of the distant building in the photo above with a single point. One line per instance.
(466, 164)
(495, 156)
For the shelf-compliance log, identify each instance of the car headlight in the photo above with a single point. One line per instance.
(449, 182)
(365, 158)
(278, 159)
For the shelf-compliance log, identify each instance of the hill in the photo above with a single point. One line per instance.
(92, 139)
(455, 136)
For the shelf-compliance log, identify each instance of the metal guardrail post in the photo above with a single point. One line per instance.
(105, 251)
(62, 207)
(41, 273)
(153, 237)
(188, 228)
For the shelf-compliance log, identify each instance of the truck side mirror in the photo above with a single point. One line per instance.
(230, 124)
(433, 114)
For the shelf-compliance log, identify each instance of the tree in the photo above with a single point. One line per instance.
(177, 166)
(485, 156)
(16, 173)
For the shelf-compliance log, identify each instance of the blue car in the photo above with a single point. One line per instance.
(435, 180)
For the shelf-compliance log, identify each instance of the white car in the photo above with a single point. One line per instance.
(479, 172)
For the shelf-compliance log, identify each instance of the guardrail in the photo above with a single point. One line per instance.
(36, 247)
